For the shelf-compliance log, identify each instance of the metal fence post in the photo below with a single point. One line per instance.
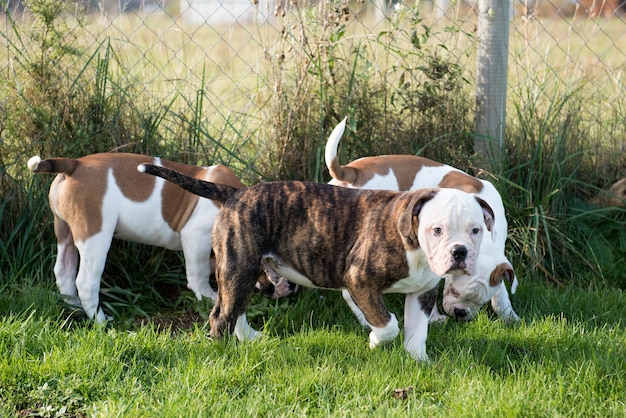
(491, 77)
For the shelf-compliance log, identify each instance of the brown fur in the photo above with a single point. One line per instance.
(461, 181)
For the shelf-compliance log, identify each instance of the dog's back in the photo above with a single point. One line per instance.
(314, 220)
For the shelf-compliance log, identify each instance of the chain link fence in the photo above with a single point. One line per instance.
(227, 59)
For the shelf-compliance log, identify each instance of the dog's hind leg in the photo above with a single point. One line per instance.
(197, 252)
(93, 254)
(66, 265)
(235, 287)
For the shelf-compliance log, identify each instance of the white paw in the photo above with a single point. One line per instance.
(205, 292)
(509, 316)
(244, 331)
(385, 334)
(435, 316)
(417, 350)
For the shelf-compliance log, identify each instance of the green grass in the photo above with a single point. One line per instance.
(564, 359)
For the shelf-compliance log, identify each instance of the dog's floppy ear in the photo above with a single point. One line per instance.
(407, 223)
(489, 217)
(503, 271)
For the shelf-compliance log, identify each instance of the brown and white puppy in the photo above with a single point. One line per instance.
(368, 242)
(462, 293)
(101, 196)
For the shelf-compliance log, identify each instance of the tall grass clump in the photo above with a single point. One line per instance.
(62, 99)
(548, 177)
(403, 91)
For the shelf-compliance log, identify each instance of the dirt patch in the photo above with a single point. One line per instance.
(172, 322)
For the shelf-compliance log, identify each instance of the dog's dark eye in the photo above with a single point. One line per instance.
(437, 231)
(475, 231)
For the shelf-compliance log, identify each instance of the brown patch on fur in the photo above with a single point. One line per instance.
(461, 181)
(223, 175)
(408, 220)
(405, 168)
(62, 231)
(79, 195)
(124, 168)
(489, 222)
(345, 174)
(502, 270)
(177, 205)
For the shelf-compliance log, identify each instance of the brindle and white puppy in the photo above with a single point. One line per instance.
(100, 197)
(368, 242)
(462, 293)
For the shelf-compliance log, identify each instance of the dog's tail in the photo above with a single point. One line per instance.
(214, 191)
(52, 165)
(338, 172)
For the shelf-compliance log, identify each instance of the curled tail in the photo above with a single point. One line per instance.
(338, 172)
(214, 191)
(52, 165)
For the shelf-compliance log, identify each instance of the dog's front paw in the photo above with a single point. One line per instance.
(436, 316)
(244, 331)
(101, 317)
(509, 316)
(385, 334)
(416, 348)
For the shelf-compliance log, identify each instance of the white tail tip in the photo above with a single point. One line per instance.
(33, 163)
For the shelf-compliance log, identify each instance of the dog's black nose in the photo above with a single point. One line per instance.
(459, 253)
(460, 313)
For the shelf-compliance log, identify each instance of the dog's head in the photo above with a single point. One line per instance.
(463, 295)
(448, 225)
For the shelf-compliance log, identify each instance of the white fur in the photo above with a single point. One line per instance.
(385, 334)
(244, 331)
(415, 327)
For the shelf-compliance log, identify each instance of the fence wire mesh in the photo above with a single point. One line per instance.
(227, 59)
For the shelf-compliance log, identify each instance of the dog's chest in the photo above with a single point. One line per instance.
(420, 278)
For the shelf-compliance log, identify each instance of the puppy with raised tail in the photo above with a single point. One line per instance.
(462, 293)
(101, 196)
(366, 242)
